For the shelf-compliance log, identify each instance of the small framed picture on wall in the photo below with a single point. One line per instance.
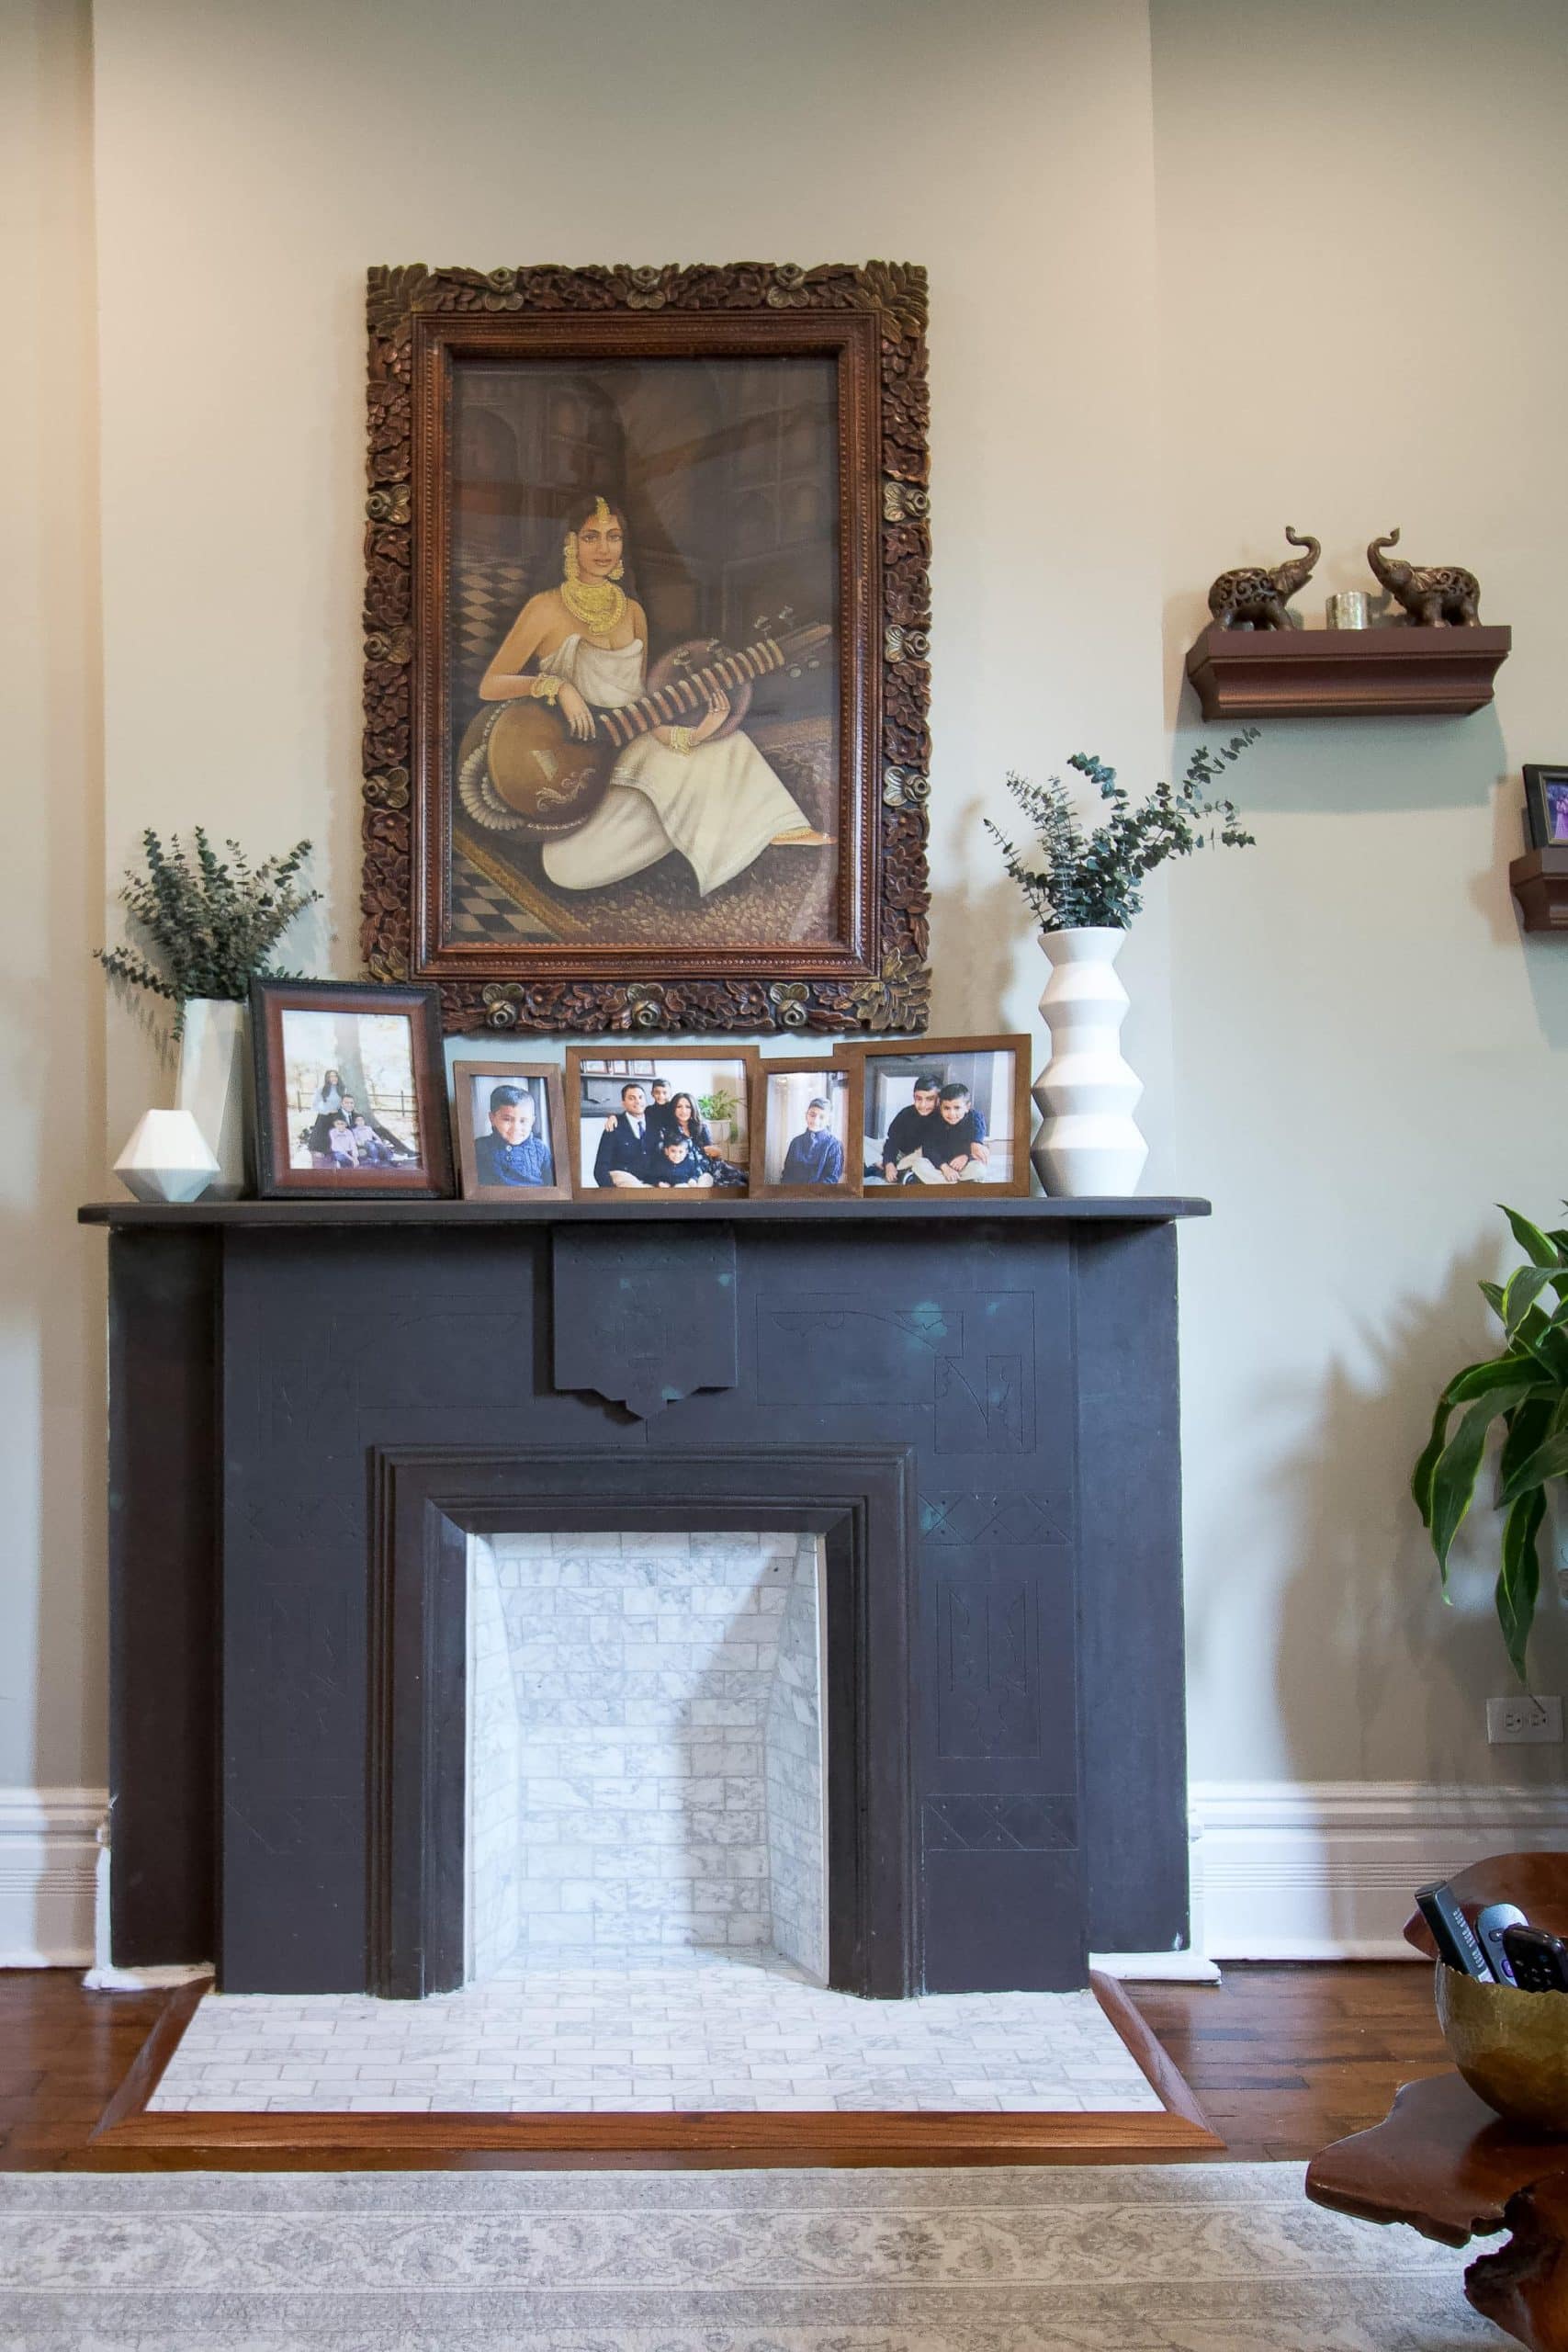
(351, 1093)
(805, 1116)
(675, 1124)
(1546, 805)
(948, 1118)
(509, 1124)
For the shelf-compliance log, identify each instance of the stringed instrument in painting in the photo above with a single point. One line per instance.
(521, 769)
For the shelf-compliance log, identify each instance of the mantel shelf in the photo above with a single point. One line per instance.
(1538, 881)
(258, 1216)
(1388, 672)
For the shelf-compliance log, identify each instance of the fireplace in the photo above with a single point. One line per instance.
(959, 1435)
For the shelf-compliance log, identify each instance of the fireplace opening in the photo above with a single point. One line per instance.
(647, 1766)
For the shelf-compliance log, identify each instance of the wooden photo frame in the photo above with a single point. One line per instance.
(995, 1073)
(786, 1125)
(604, 1153)
(351, 1092)
(1546, 806)
(673, 520)
(502, 1152)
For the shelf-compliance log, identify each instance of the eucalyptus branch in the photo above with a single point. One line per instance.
(206, 925)
(1075, 883)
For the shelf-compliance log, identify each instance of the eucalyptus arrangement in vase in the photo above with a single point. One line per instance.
(1084, 890)
(204, 926)
(1525, 1387)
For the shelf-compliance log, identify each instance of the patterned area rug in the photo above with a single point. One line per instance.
(1160, 2258)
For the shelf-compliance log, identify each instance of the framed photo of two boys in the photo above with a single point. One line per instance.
(646, 652)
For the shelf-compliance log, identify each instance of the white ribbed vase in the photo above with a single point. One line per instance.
(1089, 1143)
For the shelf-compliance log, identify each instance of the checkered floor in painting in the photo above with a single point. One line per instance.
(688, 2033)
(482, 909)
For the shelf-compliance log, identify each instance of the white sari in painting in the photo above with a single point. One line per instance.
(719, 805)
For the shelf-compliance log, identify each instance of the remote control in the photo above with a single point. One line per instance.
(1458, 1944)
(1489, 1927)
(1539, 1961)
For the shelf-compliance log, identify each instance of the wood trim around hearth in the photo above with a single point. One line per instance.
(583, 2142)
(428, 1500)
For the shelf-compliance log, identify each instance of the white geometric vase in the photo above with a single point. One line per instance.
(211, 1085)
(167, 1158)
(1089, 1143)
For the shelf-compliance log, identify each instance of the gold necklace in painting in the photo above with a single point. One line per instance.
(596, 604)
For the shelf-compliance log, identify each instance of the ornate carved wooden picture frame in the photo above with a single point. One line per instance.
(646, 668)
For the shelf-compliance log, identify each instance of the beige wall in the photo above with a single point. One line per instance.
(52, 1616)
(1362, 236)
(1169, 314)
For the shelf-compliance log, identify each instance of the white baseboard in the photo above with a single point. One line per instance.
(1289, 1869)
(1282, 1870)
(49, 1848)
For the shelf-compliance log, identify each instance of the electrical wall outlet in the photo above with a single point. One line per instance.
(1524, 1718)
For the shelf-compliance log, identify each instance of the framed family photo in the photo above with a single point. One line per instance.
(508, 1124)
(676, 1124)
(646, 654)
(948, 1117)
(351, 1093)
(1546, 805)
(806, 1114)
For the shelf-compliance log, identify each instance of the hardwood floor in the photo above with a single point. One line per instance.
(1282, 2059)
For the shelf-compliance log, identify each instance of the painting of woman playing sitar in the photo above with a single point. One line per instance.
(647, 645)
(645, 655)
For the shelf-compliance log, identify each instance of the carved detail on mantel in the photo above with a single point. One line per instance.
(644, 1319)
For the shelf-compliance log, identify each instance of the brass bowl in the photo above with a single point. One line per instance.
(1511, 2047)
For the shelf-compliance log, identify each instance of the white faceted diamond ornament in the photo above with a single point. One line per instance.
(1090, 1144)
(167, 1158)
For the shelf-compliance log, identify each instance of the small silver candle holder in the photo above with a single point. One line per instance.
(1348, 608)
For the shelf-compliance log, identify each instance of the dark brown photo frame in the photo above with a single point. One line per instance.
(869, 321)
(961, 1195)
(770, 1066)
(501, 1073)
(671, 1057)
(431, 1178)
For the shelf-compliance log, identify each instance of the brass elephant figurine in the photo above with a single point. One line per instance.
(1434, 595)
(1256, 595)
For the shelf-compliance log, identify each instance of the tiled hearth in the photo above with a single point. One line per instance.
(691, 2032)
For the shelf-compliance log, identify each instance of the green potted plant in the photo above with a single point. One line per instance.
(203, 927)
(717, 1110)
(1525, 1386)
(1084, 890)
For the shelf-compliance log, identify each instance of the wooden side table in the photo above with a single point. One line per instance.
(1445, 2164)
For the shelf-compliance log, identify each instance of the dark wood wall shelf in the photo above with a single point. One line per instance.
(1538, 881)
(1359, 672)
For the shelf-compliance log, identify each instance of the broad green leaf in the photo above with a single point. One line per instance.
(1531, 1240)
(1520, 1292)
(1453, 1480)
(1519, 1578)
(1529, 1426)
(1548, 1460)
(1501, 1372)
(1431, 1452)
(1492, 1294)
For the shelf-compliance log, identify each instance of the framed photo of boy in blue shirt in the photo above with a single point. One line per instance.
(946, 1119)
(510, 1127)
(805, 1115)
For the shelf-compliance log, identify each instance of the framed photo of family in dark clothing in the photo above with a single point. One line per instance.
(509, 1123)
(807, 1115)
(949, 1118)
(647, 656)
(351, 1093)
(674, 1124)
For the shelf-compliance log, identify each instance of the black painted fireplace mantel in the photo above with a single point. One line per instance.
(313, 1404)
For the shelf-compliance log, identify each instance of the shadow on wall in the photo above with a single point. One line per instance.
(1363, 1601)
(1340, 766)
(982, 938)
